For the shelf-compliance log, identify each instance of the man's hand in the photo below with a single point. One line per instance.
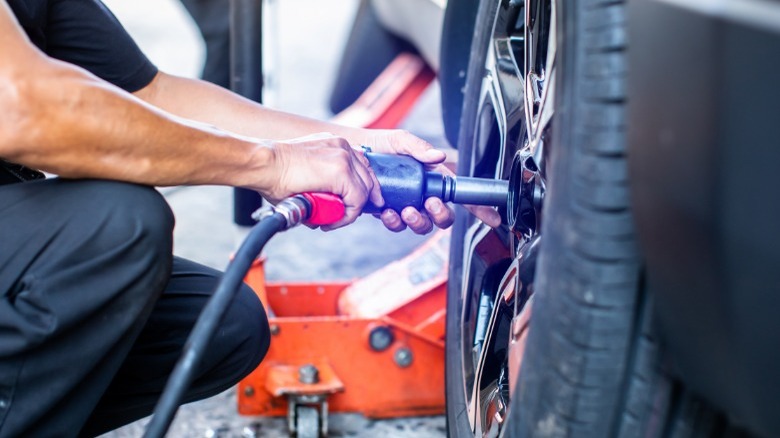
(436, 212)
(321, 163)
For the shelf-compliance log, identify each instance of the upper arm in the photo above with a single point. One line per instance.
(87, 34)
(79, 32)
(149, 92)
(31, 80)
(17, 51)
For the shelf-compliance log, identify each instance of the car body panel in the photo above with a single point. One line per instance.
(416, 21)
(704, 153)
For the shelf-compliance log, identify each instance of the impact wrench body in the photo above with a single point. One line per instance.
(404, 182)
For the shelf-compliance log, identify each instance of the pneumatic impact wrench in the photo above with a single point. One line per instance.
(404, 182)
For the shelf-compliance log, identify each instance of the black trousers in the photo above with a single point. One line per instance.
(95, 310)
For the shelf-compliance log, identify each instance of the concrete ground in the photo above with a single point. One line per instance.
(304, 44)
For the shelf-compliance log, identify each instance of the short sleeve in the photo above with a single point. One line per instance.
(87, 34)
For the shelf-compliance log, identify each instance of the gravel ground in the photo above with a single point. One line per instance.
(302, 66)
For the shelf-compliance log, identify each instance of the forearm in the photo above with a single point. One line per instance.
(204, 102)
(70, 123)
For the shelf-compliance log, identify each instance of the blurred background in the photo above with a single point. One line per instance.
(303, 44)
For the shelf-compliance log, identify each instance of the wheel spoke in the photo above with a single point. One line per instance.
(482, 250)
(509, 79)
(515, 113)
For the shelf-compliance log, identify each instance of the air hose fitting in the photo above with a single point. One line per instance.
(311, 208)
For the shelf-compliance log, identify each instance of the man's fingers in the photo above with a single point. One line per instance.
(392, 221)
(402, 142)
(424, 151)
(355, 189)
(374, 193)
(488, 215)
(353, 194)
(416, 221)
(429, 156)
(364, 176)
(420, 149)
(351, 214)
(441, 215)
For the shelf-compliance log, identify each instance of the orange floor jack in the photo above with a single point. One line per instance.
(374, 346)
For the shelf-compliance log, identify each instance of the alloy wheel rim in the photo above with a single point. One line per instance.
(516, 109)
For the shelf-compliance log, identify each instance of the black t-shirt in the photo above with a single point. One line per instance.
(85, 33)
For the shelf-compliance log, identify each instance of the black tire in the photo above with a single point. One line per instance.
(587, 352)
(592, 366)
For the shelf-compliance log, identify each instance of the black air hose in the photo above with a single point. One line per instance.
(208, 321)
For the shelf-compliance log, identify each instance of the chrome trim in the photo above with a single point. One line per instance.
(294, 209)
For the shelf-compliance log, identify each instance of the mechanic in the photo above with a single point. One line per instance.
(95, 309)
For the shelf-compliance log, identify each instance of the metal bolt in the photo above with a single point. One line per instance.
(380, 338)
(249, 391)
(274, 329)
(308, 374)
(403, 357)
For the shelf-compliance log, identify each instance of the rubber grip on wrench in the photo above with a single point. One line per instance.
(326, 208)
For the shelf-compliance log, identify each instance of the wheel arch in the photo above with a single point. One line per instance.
(457, 36)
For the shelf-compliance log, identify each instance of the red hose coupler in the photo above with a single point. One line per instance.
(324, 208)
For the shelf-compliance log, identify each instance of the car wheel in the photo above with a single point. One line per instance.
(549, 330)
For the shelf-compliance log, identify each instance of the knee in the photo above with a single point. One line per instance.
(128, 216)
(128, 224)
(140, 210)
